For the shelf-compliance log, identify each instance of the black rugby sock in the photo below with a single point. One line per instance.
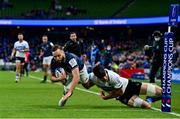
(45, 78)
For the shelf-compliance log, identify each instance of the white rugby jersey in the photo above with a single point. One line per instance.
(114, 82)
(20, 46)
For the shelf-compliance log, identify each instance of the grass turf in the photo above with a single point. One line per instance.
(31, 99)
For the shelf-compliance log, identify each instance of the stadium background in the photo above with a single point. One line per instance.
(126, 41)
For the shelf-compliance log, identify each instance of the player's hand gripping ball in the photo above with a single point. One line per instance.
(60, 73)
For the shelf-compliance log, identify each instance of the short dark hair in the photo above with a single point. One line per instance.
(157, 34)
(57, 47)
(44, 35)
(99, 71)
(72, 33)
(20, 33)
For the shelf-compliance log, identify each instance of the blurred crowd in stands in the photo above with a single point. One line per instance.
(50, 13)
(5, 4)
(54, 9)
(111, 52)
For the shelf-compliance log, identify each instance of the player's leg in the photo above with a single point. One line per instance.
(154, 92)
(153, 71)
(136, 101)
(18, 70)
(45, 69)
(150, 89)
(48, 65)
(26, 69)
(130, 96)
(22, 68)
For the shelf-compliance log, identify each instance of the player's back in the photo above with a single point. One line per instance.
(114, 82)
(69, 63)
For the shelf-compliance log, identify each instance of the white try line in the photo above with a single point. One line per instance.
(92, 92)
(86, 118)
(78, 110)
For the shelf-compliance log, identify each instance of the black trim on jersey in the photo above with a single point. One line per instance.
(74, 67)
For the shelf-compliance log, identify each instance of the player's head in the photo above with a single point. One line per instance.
(157, 35)
(73, 36)
(58, 53)
(100, 72)
(20, 36)
(45, 38)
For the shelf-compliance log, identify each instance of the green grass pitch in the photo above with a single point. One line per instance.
(31, 99)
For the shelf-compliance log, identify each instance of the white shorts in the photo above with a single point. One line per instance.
(47, 60)
(84, 77)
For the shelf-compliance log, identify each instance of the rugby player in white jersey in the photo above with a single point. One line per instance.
(20, 47)
(124, 90)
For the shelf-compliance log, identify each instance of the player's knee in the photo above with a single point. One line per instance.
(138, 102)
(158, 90)
(151, 89)
(44, 67)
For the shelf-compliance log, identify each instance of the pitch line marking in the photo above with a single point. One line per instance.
(92, 92)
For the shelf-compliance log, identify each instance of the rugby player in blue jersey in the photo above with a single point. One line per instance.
(73, 66)
(46, 53)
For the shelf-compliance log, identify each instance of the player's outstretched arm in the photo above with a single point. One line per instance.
(88, 85)
(75, 80)
(113, 94)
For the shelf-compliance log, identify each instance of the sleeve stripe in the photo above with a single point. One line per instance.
(74, 67)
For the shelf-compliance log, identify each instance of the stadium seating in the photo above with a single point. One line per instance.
(144, 8)
(94, 8)
(73, 9)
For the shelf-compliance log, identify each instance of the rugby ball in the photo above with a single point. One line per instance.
(59, 72)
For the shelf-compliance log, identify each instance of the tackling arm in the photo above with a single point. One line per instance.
(112, 94)
(88, 85)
